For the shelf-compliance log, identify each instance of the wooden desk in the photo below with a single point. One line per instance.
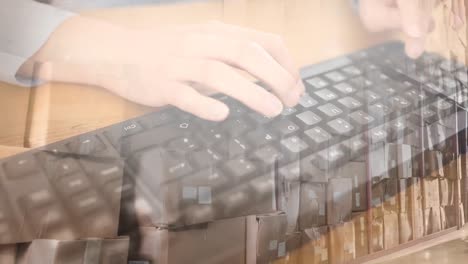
(313, 30)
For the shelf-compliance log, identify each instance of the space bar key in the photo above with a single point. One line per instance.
(153, 137)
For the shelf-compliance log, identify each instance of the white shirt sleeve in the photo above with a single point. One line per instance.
(25, 25)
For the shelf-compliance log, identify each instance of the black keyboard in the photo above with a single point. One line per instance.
(185, 170)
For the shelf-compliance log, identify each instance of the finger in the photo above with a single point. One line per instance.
(379, 16)
(458, 11)
(462, 11)
(188, 99)
(272, 43)
(414, 47)
(225, 79)
(416, 16)
(250, 57)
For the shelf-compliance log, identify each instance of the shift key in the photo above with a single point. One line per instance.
(153, 137)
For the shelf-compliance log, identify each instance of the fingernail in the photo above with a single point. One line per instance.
(276, 107)
(300, 86)
(220, 112)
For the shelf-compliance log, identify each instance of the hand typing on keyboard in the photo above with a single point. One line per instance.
(413, 17)
(176, 65)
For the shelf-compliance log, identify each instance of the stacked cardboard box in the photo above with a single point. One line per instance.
(7, 254)
(89, 251)
(342, 243)
(251, 239)
(360, 221)
(315, 246)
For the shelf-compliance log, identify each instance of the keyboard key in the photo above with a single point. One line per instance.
(288, 111)
(268, 155)
(73, 184)
(309, 118)
(360, 82)
(86, 203)
(335, 76)
(260, 137)
(260, 119)
(330, 157)
(340, 126)
(385, 89)
(38, 198)
(134, 143)
(62, 167)
(294, 144)
(368, 96)
(356, 144)
(307, 101)
(285, 127)
(183, 145)
(344, 88)
(326, 94)
(318, 135)
(212, 135)
(378, 134)
(330, 110)
(206, 157)
(236, 127)
(380, 110)
(350, 102)
(240, 167)
(317, 82)
(232, 147)
(398, 102)
(20, 167)
(362, 118)
(87, 145)
(352, 71)
(157, 119)
(103, 172)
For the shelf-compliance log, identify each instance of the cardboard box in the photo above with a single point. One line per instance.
(432, 221)
(433, 165)
(417, 162)
(416, 194)
(293, 249)
(152, 246)
(404, 195)
(7, 254)
(377, 200)
(339, 200)
(378, 168)
(377, 243)
(452, 169)
(342, 243)
(360, 234)
(390, 195)
(399, 160)
(251, 239)
(89, 251)
(446, 192)
(217, 242)
(391, 234)
(266, 238)
(289, 196)
(430, 192)
(315, 244)
(405, 224)
(313, 204)
(357, 172)
(449, 216)
(418, 223)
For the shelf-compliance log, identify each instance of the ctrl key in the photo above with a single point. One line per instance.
(21, 167)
